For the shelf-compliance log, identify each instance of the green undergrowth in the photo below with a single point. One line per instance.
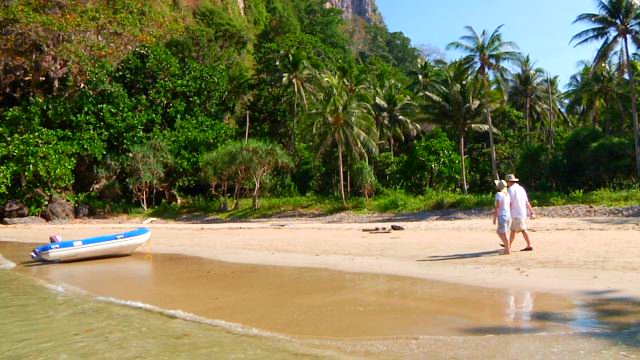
(603, 197)
(392, 202)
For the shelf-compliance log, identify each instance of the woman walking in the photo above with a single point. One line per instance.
(502, 214)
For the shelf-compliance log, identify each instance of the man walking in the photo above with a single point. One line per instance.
(521, 210)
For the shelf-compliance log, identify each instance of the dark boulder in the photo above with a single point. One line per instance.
(83, 211)
(59, 209)
(14, 209)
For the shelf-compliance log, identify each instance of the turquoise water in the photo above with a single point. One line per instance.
(37, 322)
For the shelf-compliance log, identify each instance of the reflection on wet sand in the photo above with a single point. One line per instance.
(323, 303)
(519, 308)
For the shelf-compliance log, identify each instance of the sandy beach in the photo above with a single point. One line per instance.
(571, 255)
(573, 297)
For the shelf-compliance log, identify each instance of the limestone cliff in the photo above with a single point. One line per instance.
(366, 9)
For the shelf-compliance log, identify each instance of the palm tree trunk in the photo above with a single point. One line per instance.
(344, 199)
(634, 105)
(295, 116)
(494, 163)
(256, 192)
(551, 115)
(246, 133)
(464, 171)
(527, 108)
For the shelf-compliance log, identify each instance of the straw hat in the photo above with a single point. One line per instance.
(500, 184)
(511, 178)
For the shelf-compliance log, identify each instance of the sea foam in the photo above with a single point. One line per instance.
(183, 315)
(5, 264)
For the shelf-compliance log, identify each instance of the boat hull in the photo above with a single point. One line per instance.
(110, 245)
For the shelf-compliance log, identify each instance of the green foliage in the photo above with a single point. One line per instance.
(433, 163)
(146, 169)
(399, 201)
(392, 48)
(225, 30)
(239, 163)
(36, 164)
(364, 180)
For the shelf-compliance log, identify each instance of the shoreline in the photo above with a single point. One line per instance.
(572, 256)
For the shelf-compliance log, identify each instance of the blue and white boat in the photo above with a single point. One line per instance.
(107, 245)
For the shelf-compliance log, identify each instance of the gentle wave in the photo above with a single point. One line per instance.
(5, 264)
(183, 315)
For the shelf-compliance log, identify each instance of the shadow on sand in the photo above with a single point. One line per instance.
(34, 263)
(615, 221)
(462, 256)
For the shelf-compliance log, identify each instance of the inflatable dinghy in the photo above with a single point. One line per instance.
(107, 245)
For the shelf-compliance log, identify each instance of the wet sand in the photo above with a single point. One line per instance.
(305, 302)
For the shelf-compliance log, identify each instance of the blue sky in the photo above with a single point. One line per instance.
(541, 28)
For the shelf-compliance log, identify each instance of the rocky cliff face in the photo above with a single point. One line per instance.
(366, 9)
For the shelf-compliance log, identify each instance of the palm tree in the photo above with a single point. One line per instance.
(424, 76)
(526, 91)
(591, 90)
(554, 106)
(458, 99)
(615, 25)
(297, 75)
(489, 53)
(344, 122)
(393, 109)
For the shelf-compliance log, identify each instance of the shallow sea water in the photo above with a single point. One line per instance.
(169, 306)
(37, 322)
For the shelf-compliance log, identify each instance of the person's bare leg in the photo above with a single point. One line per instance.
(505, 241)
(511, 238)
(526, 238)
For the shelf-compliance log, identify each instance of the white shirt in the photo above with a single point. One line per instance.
(503, 202)
(519, 201)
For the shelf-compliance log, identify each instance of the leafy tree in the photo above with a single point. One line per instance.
(432, 163)
(237, 162)
(146, 169)
(36, 164)
(262, 158)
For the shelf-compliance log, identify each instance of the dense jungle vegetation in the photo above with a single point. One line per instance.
(122, 102)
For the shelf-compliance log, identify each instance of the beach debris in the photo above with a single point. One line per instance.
(377, 230)
(383, 229)
(149, 220)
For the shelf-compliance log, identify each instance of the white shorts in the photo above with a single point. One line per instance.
(519, 224)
